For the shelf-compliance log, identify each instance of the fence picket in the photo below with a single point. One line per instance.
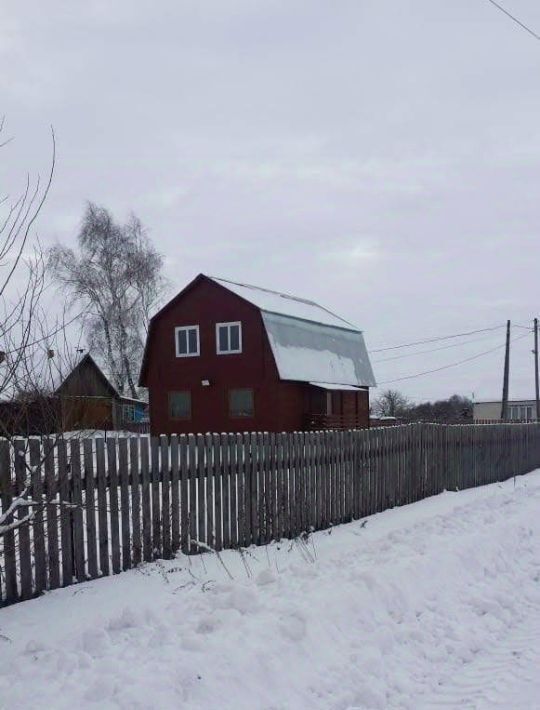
(77, 512)
(90, 506)
(285, 488)
(257, 488)
(240, 489)
(217, 456)
(113, 505)
(125, 513)
(66, 549)
(294, 482)
(156, 496)
(175, 494)
(210, 525)
(40, 555)
(184, 493)
(317, 479)
(22, 483)
(193, 492)
(201, 491)
(233, 489)
(146, 508)
(135, 499)
(224, 508)
(165, 497)
(250, 490)
(103, 525)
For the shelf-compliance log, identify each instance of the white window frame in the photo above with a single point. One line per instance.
(228, 326)
(187, 328)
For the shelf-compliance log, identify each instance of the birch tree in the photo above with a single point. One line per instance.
(116, 276)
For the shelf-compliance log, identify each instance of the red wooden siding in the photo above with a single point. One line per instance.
(279, 406)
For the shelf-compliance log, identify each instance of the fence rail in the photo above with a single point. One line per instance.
(111, 504)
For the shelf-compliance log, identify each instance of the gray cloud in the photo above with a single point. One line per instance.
(382, 158)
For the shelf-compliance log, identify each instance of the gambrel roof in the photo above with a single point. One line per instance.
(309, 343)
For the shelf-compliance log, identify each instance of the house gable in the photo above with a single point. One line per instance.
(86, 380)
(204, 304)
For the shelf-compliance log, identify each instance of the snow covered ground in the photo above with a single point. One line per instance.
(433, 605)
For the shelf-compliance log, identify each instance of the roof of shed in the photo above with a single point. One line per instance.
(87, 361)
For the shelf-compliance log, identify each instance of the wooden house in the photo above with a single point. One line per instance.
(88, 400)
(225, 357)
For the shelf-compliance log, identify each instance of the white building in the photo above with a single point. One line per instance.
(518, 410)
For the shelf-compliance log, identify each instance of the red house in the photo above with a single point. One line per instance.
(225, 357)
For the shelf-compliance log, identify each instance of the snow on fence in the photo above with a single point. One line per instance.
(111, 504)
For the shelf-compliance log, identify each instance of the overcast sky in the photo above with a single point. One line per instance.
(378, 156)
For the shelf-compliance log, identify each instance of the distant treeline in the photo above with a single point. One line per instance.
(454, 410)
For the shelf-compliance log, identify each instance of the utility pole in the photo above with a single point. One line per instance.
(536, 380)
(504, 407)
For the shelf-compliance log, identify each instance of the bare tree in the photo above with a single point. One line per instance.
(117, 277)
(391, 403)
(26, 336)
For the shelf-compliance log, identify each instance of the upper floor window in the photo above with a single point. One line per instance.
(229, 338)
(187, 341)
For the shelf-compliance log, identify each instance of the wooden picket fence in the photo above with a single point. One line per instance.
(112, 504)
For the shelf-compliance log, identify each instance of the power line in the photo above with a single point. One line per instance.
(433, 350)
(515, 19)
(452, 364)
(434, 340)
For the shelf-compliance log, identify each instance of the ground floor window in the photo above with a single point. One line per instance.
(241, 403)
(180, 405)
(128, 413)
(520, 412)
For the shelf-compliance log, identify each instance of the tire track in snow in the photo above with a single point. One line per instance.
(497, 678)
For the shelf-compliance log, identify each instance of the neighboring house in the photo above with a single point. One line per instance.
(518, 410)
(226, 357)
(88, 400)
(85, 399)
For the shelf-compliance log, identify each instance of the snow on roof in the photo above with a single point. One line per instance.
(332, 387)
(313, 352)
(275, 302)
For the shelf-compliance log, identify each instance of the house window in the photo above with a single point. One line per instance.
(228, 338)
(180, 405)
(187, 341)
(241, 403)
